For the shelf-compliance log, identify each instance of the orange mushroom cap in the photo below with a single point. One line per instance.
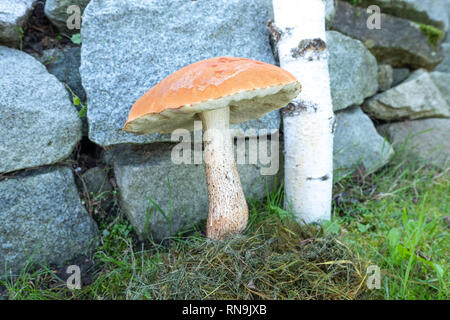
(250, 88)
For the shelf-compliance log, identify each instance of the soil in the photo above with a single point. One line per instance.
(40, 34)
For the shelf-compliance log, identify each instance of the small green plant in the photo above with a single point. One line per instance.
(83, 110)
(433, 34)
(331, 227)
(76, 38)
(356, 2)
(363, 227)
(21, 33)
(77, 102)
(119, 229)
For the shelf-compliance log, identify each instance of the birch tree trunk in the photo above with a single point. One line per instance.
(299, 33)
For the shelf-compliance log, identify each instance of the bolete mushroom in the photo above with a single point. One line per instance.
(217, 91)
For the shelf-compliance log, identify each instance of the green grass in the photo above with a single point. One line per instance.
(396, 219)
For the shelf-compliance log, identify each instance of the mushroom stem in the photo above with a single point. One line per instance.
(228, 211)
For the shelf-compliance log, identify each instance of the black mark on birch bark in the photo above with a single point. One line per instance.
(275, 32)
(322, 178)
(296, 108)
(310, 49)
(333, 124)
(275, 35)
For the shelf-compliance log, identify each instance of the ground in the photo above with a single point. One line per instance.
(396, 219)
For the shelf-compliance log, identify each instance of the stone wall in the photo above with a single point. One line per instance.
(63, 170)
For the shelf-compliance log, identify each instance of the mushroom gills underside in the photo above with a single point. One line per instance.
(244, 106)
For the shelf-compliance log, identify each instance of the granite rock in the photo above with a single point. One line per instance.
(442, 82)
(385, 77)
(444, 66)
(13, 15)
(43, 220)
(39, 125)
(399, 75)
(423, 140)
(353, 71)
(56, 11)
(356, 143)
(432, 12)
(94, 183)
(399, 42)
(64, 64)
(417, 97)
(121, 59)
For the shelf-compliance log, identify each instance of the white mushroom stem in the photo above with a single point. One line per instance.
(228, 211)
(308, 120)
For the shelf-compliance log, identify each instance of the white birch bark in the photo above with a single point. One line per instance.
(299, 32)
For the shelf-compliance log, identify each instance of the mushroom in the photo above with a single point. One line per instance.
(217, 91)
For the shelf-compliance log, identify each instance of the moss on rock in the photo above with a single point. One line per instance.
(433, 34)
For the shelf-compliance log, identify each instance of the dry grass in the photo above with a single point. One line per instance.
(278, 260)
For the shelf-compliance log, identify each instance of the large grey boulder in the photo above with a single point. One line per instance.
(353, 71)
(144, 172)
(56, 11)
(131, 45)
(415, 98)
(432, 12)
(13, 15)
(38, 123)
(399, 42)
(425, 139)
(43, 220)
(356, 143)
